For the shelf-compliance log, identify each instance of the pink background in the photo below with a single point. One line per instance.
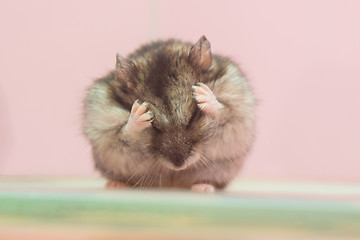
(302, 58)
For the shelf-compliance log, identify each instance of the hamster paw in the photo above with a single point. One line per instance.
(139, 118)
(203, 188)
(206, 100)
(115, 185)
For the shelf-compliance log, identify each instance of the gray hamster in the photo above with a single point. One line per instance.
(171, 114)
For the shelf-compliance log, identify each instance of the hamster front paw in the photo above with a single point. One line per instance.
(139, 118)
(203, 188)
(206, 100)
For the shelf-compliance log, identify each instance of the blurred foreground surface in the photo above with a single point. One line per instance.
(80, 208)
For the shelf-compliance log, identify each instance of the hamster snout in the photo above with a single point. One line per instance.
(175, 147)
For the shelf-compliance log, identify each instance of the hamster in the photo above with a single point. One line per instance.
(171, 115)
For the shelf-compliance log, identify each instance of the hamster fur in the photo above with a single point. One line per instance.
(172, 114)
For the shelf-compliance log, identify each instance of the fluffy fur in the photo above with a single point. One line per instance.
(184, 142)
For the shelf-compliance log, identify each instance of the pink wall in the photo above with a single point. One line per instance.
(302, 58)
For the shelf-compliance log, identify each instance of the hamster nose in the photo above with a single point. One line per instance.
(177, 160)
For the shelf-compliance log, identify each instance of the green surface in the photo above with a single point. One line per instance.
(83, 203)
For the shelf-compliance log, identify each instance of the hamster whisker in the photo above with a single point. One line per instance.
(216, 164)
(132, 176)
(148, 174)
(228, 158)
(196, 165)
(137, 182)
(136, 166)
(153, 176)
(161, 173)
(212, 163)
(142, 177)
(205, 161)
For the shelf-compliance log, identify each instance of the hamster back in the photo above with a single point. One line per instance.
(171, 114)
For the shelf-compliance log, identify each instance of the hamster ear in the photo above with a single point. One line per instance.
(200, 54)
(123, 68)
